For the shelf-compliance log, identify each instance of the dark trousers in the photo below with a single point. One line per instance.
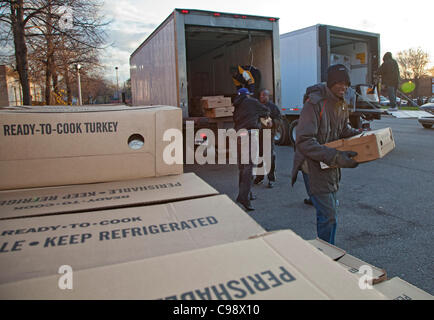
(272, 173)
(245, 172)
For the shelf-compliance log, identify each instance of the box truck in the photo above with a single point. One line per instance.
(306, 54)
(193, 53)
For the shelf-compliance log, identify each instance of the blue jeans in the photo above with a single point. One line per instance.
(306, 184)
(326, 215)
(391, 91)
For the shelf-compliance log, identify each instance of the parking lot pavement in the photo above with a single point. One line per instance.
(386, 214)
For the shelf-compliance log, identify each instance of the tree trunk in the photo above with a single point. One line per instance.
(68, 86)
(21, 50)
(49, 59)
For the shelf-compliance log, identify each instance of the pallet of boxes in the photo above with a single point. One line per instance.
(217, 106)
(95, 205)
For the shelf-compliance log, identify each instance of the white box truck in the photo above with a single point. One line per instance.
(306, 54)
(192, 54)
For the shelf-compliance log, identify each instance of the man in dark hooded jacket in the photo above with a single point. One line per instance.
(247, 114)
(389, 72)
(324, 118)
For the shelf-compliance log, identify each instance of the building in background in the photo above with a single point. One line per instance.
(10, 88)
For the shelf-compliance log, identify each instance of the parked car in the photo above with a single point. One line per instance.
(428, 107)
(401, 102)
(384, 101)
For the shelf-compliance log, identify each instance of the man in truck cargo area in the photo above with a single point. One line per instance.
(275, 115)
(324, 118)
(389, 72)
(247, 114)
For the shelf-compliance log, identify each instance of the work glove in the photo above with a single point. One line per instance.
(343, 159)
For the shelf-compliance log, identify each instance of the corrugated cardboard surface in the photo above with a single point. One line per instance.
(67, 199)
(354, 265)
(349, 262)
(215, 102)
(398, 289)
(328, 249)
(36, 247)
(220, 112)
(280, 265)
(57, 146)
(369, 145)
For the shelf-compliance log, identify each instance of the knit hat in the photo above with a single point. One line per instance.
(243, 91)
(337, 73)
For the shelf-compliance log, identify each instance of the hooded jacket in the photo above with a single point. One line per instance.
(389, 71)
(247, 112)
(324, 118)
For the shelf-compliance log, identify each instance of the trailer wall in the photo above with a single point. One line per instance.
(153, 69)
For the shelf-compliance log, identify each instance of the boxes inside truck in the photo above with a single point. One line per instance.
(213, 52)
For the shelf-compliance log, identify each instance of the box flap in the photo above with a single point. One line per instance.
(354, 265)
(398, 289)
(35, 247)
(74, 198)
(278, 266)
(328, 249)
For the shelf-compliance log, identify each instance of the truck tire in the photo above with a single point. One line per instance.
(281, 134)
(356, 122)
(428, 126)
(292, 131)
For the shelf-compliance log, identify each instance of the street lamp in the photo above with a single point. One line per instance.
(117, 83)
(80, 102)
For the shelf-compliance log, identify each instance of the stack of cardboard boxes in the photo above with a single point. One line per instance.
(217, 106)
(92, 207)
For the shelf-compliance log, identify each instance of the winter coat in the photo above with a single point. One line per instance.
(324, 118)
(389, 71)
(247, 112)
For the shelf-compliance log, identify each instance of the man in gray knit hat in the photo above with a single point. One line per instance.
(324, 118)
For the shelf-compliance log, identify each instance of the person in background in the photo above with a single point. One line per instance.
(389, 72)
(247, 77)
(247, 114)
(275, 115)
(324, 118)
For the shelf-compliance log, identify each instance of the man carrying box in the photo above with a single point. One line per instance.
(324, 118)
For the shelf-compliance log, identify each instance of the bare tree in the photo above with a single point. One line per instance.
(413, 63)
(40, 24)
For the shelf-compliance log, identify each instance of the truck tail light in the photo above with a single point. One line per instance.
(216, 14)
(272, 19)
(185, 11)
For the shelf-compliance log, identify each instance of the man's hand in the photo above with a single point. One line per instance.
(266, 122)
(343, 159)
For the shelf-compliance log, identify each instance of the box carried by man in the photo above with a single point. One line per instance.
(369, 145)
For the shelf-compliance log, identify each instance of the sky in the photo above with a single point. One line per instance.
(402, 24)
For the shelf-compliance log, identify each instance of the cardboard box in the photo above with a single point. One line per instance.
(328, 249)
(215, 102)
(279, 265)
(349, 262)
(98, 196)
(37, 247)
(356, 266)
(49, 146)
(398, 289)
(369, 145)
(220, 112)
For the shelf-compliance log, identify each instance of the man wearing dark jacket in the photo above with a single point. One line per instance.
(275, 115)
(247, 114)
(324, 118)
(389, 72)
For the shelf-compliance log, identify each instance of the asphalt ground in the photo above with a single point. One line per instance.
(386, 213)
